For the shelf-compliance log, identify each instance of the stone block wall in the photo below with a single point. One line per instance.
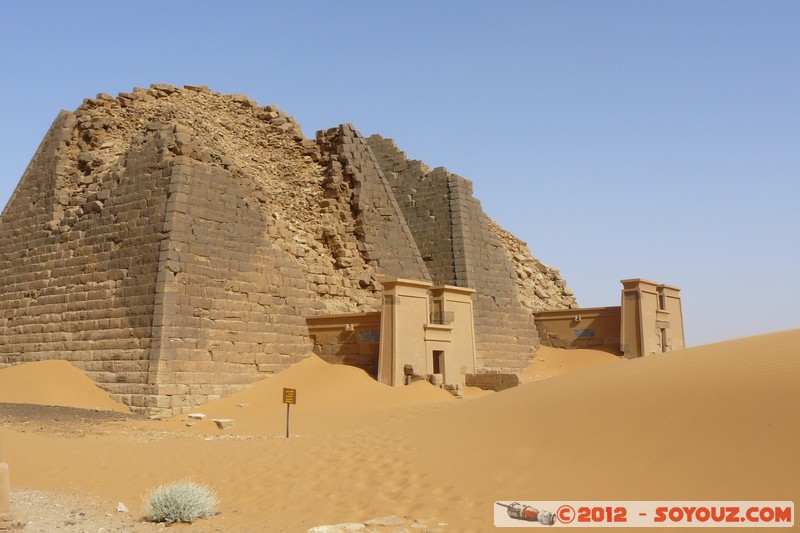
(349, 339)
(596, 328)
(150, 267)
(229, 302)
(355, 179)
(505, 334)
(495, 381)
(424, 199)
(78, 263)
(460, 248)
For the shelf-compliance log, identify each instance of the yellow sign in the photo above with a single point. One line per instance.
(289, 396)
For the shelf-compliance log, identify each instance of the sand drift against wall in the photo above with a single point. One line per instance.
(54, 383)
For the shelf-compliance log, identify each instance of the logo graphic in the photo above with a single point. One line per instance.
(525, 512)
(640, 513)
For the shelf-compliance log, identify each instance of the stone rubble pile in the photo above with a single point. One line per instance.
(235, 133)
(539, 286)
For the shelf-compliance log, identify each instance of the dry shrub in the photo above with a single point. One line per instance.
(184, 501)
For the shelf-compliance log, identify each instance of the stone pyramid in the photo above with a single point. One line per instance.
(171, 242)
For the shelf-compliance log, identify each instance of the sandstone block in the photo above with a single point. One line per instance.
(223, 423)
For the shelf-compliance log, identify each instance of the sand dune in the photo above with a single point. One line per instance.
(550, 362)
(329, 398)
(717, 422)
(53, 383)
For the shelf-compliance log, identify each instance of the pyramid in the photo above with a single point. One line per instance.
(172, 241)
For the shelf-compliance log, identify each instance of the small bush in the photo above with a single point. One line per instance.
(184, 501)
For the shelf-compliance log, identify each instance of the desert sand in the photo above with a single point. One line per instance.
(551, 362)
(53, 383)
(717, 422)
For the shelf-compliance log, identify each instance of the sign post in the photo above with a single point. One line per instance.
(289, 397)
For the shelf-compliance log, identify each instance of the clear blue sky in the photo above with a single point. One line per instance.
(618, 139)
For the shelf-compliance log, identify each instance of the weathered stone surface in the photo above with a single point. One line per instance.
(223, 423)
(493, 380)
(346, 527)
(387, 521)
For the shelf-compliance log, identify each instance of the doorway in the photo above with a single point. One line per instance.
(438, 363)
